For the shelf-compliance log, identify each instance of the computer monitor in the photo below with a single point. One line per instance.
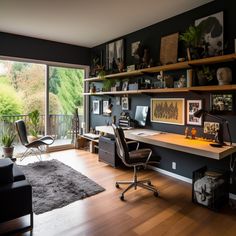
(141, 115)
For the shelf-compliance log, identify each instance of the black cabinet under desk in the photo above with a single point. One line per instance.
(107, 151)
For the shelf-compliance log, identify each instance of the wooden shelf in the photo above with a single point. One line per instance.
(165, 90)
(230, 87)
(170, 67)
(213, 60)
(176, 66)
(115, 93)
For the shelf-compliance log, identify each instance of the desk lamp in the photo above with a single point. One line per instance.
(220, 133)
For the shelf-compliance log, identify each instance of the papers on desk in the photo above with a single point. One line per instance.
(145, 132)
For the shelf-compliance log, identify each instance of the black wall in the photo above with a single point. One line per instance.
(31, 48)
(151, 37)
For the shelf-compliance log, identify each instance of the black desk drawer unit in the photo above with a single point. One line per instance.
(107, 151)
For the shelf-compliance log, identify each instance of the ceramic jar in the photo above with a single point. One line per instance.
(224, 75)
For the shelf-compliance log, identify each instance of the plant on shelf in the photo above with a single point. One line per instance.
(205, 75)
(107, 84)
(193, 40)
(7, 139)
(34, 124)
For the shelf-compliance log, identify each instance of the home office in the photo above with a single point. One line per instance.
(153, 90)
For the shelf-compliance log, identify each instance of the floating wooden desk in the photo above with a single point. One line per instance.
(174, 141)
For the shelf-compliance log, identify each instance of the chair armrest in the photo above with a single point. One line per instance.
(15, 200)
(131, 142)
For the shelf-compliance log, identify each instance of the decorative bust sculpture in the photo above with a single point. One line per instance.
(224, 75)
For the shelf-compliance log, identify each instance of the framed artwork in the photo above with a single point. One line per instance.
(114, 54)
(105, 105)
(211, 127)
(168, 110)
(213, 32)
(125, 86)
(134, 47)
(222, 103)
(96, 107)
(169, 49)
(192, 107)
(118, 101)
(125, 103)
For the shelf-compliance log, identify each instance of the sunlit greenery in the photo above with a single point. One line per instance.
(22, 88)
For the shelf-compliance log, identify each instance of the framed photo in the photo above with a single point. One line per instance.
(213, 32)
(211, 127)
(169, 49)
(222, 103)
(134, 47)
(125, 103)
(118, 101)
(125, 86)
(192, 107)
(168, 110)
(114, 54)
(96, 107)
(105, 105)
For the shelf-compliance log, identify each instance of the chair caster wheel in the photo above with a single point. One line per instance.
(122, 198)
(117, 186)
(156, 194)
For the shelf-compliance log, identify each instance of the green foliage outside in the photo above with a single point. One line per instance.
(10, 102)
(67, 84)
(22, 89)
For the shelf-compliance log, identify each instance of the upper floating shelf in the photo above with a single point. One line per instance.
(176, 66)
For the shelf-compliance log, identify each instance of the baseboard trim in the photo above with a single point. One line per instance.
(180, 177)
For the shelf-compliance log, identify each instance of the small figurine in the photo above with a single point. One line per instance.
(193, 133)
(186, 132)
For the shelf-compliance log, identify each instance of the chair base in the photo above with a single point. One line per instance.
(146, 184)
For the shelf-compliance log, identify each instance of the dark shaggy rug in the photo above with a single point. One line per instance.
(56, 185)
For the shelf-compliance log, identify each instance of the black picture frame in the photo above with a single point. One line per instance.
(114, 54)
(125, 85)
(222, 103)
(125, 106)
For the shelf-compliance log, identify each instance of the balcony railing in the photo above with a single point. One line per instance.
(61, 126)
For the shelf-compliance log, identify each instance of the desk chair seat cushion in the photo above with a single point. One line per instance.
(138, 156)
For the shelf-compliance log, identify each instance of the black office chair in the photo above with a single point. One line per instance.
(136, 158)
(34, 147)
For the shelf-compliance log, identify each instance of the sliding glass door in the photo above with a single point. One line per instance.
(65, 87)
(55, 92)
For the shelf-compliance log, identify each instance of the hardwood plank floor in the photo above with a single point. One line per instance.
(172, 213)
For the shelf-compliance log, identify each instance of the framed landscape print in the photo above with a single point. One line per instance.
(168, 110)
(192, 107)
(96, 107)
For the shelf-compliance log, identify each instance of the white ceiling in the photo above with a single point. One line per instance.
(86, 22)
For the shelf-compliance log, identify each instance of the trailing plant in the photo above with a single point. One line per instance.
(7, 138)
(34, 123)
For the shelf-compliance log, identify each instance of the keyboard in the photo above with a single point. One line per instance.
(91, 135)
(126, 128)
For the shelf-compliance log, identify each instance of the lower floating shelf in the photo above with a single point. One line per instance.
(209, 88)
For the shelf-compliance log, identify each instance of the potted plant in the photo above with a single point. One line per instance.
(7, 139)
(205, 75)
(193, 40)
(33, 125)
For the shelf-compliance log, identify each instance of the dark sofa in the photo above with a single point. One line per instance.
(15, 193)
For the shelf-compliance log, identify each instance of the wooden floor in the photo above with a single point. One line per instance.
(142, 214)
